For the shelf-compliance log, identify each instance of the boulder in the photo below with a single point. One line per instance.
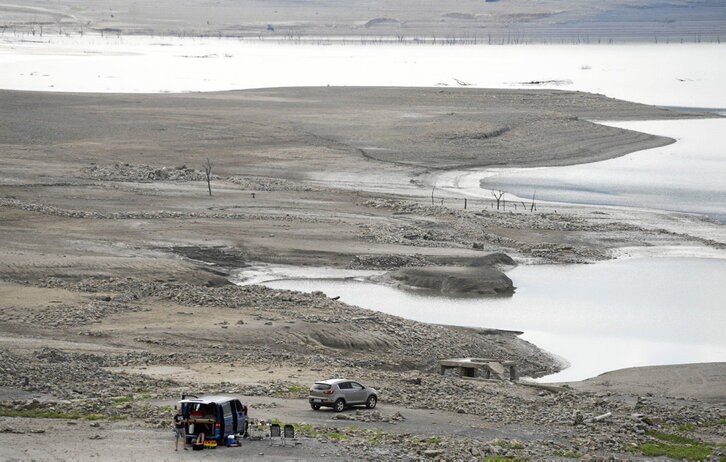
(477, 280)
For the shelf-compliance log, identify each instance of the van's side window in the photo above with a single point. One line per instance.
(227, 409)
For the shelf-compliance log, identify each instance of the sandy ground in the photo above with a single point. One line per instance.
(114, 261)
(694, 381)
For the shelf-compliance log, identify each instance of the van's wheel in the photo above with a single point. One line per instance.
(371, 402)
(339, 405)
(315, 406)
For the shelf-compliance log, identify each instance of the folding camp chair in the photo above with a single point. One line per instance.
(288, 434)
(275, 434)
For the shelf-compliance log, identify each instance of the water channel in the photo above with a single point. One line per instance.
(601, 317)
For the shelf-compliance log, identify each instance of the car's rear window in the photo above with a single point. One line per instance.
(321, 386)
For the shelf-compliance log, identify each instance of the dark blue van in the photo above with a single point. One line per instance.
(215, 416)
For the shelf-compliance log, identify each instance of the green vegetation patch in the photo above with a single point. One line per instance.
(714, 423)
(296, 389)
(568, 454)
(675, 446)
(306, 428)
(689, 427)
(346, 433)
(675, 451)
(508, 444)
(671, 437)
(504, 459)
(129, 398)
(43, 414)
(686, 427)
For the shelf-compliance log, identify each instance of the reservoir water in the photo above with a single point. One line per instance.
(688, 75)
(686, 176)
(600, 317)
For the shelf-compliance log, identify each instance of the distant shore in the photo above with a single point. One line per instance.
(446, 22)
(702, 381)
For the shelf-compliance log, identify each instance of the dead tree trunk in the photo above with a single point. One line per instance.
(498, 197)
(208, 173)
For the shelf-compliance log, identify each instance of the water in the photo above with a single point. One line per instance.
(676, 74)
(600, 317)
(687, 176)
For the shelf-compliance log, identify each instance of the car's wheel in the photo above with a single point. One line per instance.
(339, 405)
(371, 402)
(315, 406)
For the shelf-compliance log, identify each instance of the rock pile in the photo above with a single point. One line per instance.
(65, 315)
(142, 173)
(373, 416)
(70, 376)
(469, 229)
(139, 173)
(387, 261)
(151, 214)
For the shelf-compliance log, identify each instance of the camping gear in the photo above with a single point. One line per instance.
(288, 433)
(210, 444)
(275, 434)
(230, 440)
(216, 416)
(197, 446)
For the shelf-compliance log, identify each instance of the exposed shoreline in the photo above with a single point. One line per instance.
(115, 258)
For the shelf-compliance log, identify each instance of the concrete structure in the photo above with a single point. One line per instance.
(479, 368)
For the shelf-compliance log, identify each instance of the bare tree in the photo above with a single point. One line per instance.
(208, 173)
(531, 209)
(498, 196)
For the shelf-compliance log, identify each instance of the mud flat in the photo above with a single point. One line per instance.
(702, 381)
(337, 135)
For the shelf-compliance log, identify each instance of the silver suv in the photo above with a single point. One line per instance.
(341, 393)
